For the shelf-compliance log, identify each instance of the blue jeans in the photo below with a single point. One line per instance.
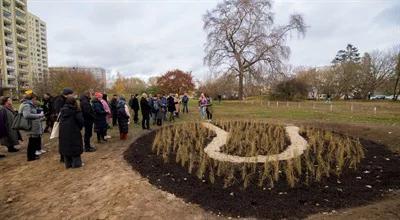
(203, 112)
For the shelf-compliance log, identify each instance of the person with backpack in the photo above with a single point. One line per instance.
(134, 104)
(160, 110)
(185, 103)
(30, 112)
(70, 137)
(123, 118)
(146, 109)
(203, 105)
(209, 108)
(9, 137)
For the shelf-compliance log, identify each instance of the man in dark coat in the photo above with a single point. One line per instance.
(71, 123)
(113, 107)
(134, 104)
(123, 118)
(88, 116)
(171, 107)
(145, 107)
(100, 120)
(48, 109)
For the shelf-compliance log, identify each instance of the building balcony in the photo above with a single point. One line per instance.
(24, 79)
(20, 19)
(9, 49)
(21, 37)
(6, 2)
(21, 28)
(22, 45)
(22, 54)
(7, 9)
(9, 58)
(8, 38)
(20, 2)
(23, 61)
(7, 29)
(10, 67)
(10, 76)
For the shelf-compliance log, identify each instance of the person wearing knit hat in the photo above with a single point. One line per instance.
(100, 121)
(67, 91)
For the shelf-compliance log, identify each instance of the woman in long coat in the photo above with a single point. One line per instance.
(70, 137)
(145, 108)
(123, 118)
(12, 136)
(100, 121)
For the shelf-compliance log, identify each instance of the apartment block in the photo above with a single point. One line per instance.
(37, 39)
(19, 66)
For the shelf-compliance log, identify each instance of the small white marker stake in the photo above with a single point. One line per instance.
(277, 104)
(352, 108)
(331, 107)
(375, 110)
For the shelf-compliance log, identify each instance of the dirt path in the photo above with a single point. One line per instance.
(107, 188)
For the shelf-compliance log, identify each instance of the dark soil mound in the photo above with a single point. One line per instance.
(378, 173)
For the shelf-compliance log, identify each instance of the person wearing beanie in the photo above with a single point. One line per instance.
(100, 121)
(107, 108)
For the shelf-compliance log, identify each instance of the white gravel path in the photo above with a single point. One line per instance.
(213, 150)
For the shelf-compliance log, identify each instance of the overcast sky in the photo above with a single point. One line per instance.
(147, 38)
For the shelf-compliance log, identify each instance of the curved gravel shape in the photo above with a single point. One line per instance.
(213, 150)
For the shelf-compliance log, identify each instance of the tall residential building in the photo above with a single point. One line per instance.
(37, 49)
(17, 65)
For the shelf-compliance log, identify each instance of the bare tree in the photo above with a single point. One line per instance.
(396, 90)
(241, 35)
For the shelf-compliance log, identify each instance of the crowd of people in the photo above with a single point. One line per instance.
(92, 111)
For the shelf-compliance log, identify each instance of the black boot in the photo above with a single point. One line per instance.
(12, 149)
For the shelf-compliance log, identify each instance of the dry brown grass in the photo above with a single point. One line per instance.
(328, 154)
(251, 138)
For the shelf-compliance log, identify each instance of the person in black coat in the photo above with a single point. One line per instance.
(123, 118)
(113, 107)
(71, 123)
(171, 107)
(88, 117)
(59, 102)
(134, 104)
(100, 120)
(47, 107)
(145, 107)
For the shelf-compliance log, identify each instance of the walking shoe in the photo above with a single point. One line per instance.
(2, 156)
(107, 137)
(43, 151)
(90, 149)
(38, 152)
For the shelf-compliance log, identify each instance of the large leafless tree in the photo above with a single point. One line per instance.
(242, 36)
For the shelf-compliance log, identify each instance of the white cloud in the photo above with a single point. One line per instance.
(147, 38)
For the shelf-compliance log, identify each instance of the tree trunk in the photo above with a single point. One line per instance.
(241, 97)
(395, 92)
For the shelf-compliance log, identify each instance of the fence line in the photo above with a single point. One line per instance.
(321, 106)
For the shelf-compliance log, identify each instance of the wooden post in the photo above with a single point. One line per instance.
(352, 108)
(331, 107)
(375, 110)
(277, 104)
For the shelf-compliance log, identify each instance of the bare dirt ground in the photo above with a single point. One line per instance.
(107, 188)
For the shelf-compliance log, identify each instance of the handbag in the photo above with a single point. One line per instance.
(21, 123)
(56, 128)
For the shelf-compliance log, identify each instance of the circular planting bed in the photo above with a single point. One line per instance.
(255, 169)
